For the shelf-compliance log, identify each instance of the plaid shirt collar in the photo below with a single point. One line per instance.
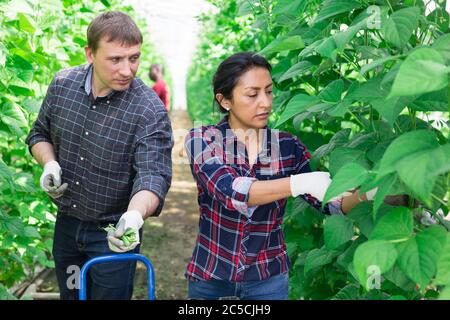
(230, 138)
(87, 83)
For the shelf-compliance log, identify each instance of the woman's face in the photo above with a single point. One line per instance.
(251, 101)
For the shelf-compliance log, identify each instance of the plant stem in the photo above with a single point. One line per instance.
(356, 118)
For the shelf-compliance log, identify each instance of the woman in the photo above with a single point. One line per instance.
(244, 173)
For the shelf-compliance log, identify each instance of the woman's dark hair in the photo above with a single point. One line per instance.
(231, 69)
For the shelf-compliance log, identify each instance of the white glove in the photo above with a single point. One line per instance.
(314, 183)
(370, 195)
(51, 180)
(129, 220)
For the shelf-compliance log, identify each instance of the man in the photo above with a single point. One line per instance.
(156, 74)
(104, 139)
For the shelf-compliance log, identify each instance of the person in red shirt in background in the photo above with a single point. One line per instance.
(156, 74)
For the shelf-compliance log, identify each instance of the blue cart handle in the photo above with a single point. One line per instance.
(115, 258)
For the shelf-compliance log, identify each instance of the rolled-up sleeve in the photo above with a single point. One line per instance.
(302, 166)
(218, 178)
(41, 128)
(153, 157)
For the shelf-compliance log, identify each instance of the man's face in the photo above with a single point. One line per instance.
(115, 65)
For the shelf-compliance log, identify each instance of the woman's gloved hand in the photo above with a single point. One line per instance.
(314, 183)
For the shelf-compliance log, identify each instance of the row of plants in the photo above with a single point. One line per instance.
(39, 38)
(365, 86)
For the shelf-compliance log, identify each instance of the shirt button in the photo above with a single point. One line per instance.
(107, 101)
(81, 158)
(74, 205)
(86, 133)
(93, 107)
(77, 183)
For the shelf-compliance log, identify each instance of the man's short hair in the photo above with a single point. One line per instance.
(113, 26)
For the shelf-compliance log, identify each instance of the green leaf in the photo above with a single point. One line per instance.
(391, 108)
(319, 257)
(418, 256)
(338, 139)
(327, 48)
(373, 256)
(296, 105)
(445, 294)
(419, 170)
(432, 101)
(377, 63)
(337, 231)
(106, 3)
(343, 155)
(396, 225)
(332, 92)
(296, 70)
(349, 292)
(385, 187)
(5, 172)
(25, 24)
(400, 26)
(405, 145)
(283, 44)
(442, 45)
(342, 38)
(348, 177)
(31, 232)
(363, 220)
(330, 8)
(443, 265)
(423, 71)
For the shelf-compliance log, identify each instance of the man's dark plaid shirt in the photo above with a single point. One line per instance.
(108, 148)
(237, 242)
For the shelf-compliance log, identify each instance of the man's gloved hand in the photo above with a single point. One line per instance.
(314, 183)
(51, 180)
(130, 220)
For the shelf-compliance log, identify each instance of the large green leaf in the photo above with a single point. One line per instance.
(348, 177)
(338, 139)
(432, 101)
(377, 63)
(396, 225)
(344, 37)
(26, 23)
(419, 170)
(405, 145)
(330, 8)
(283, 44)
(442, 45)
(443, 265)
(337, 231)
(5, 172)
(343, 155)
(390, 108)
(332, 92)
(349, 292)
(319, 257)
(424, 70)
(418, 256)
(296, 70)
(385, 188)
(400, 26)
(296, 105)
(374, 255)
